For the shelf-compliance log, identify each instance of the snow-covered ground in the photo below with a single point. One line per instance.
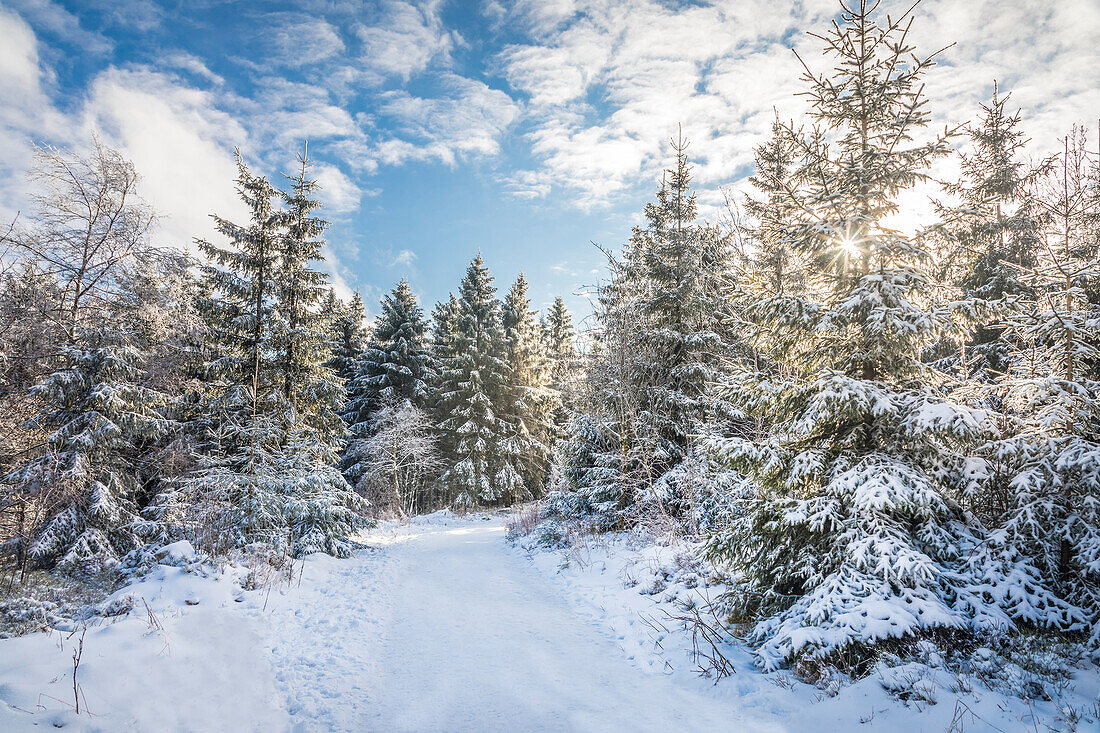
(440, 624)
(630, 586)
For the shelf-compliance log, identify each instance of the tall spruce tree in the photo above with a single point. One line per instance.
(663, 341)
(473, 379)
(777, 268)
(685, 266)
(557, 336)
(529, 401)
(348, 337)
(853, 535)
(991, 233)
(396, 366)
(240, 311)
(311, 389)
(267, 466)
(1051, 512)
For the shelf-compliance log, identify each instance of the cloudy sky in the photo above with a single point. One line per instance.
(525, 129)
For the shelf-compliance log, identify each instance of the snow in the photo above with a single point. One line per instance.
(176, 553)
(439, 624)
(626, 583)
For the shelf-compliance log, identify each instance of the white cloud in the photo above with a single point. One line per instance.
(298, 39)
(467, 119)
(26, 116)
(178, 140)
(339, 193)
(406, 39)
(52, 19)
(193, 65)
(404, 258)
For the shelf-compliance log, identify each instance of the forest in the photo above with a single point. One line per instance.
(882, 436)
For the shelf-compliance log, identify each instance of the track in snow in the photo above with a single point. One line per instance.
(445, 627)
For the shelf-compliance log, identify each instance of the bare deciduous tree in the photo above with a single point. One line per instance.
(89, 223)
(399, 457)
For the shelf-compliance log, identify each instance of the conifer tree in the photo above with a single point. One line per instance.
(529, 401)
(103, 418)
(992, 233)
(240, 309)
(473, 378)
(311, 389)
(664, 340)
(267, 472)
(348, 339)
(853, 534)
(777, 268)
(557, 336)
(395, 365)
(1052, 512)
(684, 267)
(444, 318)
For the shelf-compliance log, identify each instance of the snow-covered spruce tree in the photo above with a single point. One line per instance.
(330, 309)
(239, 310)
(776, 267)
(1052, 503)
(312, 390)
(990, 232)
(605, 462)
(102, 416)
(348, 339)
(473, 378)
(319, 506)
(396, 364)
(561, 352)
(663, 339)
(529, 400)
(273, 399)
(685, 268)
(852, 536)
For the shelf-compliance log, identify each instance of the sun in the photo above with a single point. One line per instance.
(849, 246)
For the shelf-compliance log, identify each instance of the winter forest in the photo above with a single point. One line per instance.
(812, 461)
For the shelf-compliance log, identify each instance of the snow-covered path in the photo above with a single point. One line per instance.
(444, 627)
(439, 625)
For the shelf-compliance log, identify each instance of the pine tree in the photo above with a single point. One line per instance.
(777, 268)
(684, 268)
(664, 340)
(330, 310)
(268, 466)
(473, 378)
(312, 390)
(852, 534)
(557, 336)
(240, 311)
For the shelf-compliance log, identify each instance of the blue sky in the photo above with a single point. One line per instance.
(525, 129)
